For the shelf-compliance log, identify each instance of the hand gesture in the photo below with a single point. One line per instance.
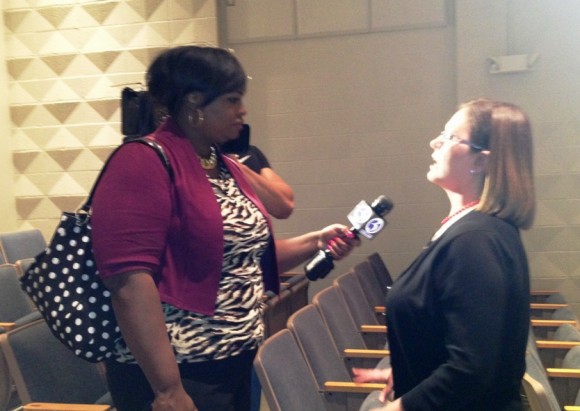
(376, 375)
(338, 240)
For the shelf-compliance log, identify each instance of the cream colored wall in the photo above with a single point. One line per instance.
(345, 97)
(67, 62)
(550, 93)
(347, 114)
(7, 205)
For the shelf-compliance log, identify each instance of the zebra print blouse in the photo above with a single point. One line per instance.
(236, 325)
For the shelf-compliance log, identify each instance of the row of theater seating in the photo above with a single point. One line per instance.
(36, 368)
(308, 365)
(356, 330)
(17, 249)
(552, 380)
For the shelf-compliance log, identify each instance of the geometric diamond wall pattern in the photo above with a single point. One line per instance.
(67, 64)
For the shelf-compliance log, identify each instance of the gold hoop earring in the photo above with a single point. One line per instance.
(198, 119)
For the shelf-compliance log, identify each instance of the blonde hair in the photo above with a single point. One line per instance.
(504, 129)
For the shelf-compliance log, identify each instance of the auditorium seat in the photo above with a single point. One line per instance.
(561, 384)
(545, 329)
(380, 269)
(362, 313)
(321, 352)
(277, 310)
(552, 351)
(44, 370)
(15, 306)
(288, 383)
(23, 265)
(298, 285)
(5, 384)
(346, 334)
(536, 396)
(19, 245)
(535, 370)
(375, 291)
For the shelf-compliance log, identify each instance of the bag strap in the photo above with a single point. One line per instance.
(85, 208)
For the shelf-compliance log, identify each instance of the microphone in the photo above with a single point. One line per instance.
(366, 220)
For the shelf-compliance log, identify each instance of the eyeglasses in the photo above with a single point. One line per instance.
(458, 140)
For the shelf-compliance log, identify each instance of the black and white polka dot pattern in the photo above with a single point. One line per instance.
(64, 284)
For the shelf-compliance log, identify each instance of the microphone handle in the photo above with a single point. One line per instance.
(319, 266)
(322, 263)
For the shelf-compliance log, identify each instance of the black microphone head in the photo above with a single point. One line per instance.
(382, 205)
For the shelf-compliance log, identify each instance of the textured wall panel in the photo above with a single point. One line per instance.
(67, 62)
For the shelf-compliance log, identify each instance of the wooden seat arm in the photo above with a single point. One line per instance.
(289, 274)
(373, 328)
(379, 309)
(563, 372)
(554, 344)
(356, 387)
(46, 406)
(547, 306)
(7, 326)
(551, 323)
(565, 383)
(364, 353)
(543, 292)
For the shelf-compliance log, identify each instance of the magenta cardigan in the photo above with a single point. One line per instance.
(141, 220)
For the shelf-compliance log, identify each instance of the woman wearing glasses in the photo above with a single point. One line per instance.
(458, 317)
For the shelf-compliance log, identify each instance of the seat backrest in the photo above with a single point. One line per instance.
(567, 332)
(298, 286)
(19, 245)
(277, 310)
(555, 298)
(572, 358)
(535, 394)
(564, 313)
(317, 346)
(332, 307)
(374, 289)
(356, 300)
(14, 302)
(5, 383)
(286, 380)
(535, 369)
(380, 269)
(23, 265)
(44, 370)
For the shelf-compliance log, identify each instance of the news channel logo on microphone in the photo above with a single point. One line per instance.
(365, 221)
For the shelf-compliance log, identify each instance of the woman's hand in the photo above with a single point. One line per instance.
(173, 401)
(138, 311)
(396, 405)
(337, 239)
(375, 375)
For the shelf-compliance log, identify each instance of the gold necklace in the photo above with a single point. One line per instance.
(209, 163)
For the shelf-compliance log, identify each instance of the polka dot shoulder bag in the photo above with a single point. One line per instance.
(64, 284)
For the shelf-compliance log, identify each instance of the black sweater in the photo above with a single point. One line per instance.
(458, 320)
